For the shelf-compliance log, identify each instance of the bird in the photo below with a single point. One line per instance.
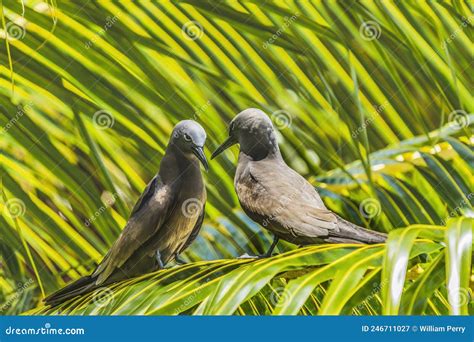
(165, 220)
(276, 196)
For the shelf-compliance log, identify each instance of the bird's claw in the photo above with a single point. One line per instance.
(178, 260)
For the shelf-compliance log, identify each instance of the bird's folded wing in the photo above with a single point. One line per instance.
(146, 195)
(150, 212)
(288, 200)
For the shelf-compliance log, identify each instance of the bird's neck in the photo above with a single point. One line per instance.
(257, 146)
(178, 164)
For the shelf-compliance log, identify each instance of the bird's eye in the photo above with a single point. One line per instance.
(187, 137)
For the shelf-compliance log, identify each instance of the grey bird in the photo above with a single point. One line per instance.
(163, 223)
(277, 197)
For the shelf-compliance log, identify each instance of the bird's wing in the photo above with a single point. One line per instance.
(285, 199)
(150, 212)
(146, 195)
(195, 232)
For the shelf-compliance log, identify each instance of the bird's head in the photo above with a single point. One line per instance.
(190, 137)
(253, 130)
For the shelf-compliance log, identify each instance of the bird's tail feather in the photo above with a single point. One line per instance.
(352, 233)
(79, 287)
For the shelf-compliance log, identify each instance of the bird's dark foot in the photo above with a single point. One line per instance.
(263, 256)
(178, 260)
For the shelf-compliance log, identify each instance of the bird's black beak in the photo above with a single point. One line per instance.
(199, 153)
(225, 145)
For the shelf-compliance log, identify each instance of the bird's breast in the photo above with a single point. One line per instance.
(180, 224)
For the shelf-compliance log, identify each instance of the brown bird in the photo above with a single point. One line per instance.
(276, 196)
(164, 222)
